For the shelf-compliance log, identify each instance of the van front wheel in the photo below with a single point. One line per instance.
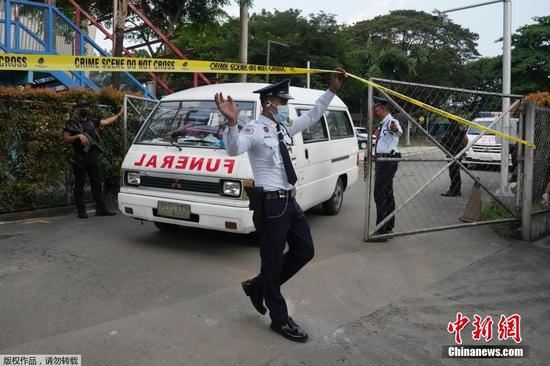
(334, 204)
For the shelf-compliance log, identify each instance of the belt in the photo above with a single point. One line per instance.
(392, 155)
(280, 194)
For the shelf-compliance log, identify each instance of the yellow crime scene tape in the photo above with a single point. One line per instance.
(23, 62)
(10, 61)
(442, 112)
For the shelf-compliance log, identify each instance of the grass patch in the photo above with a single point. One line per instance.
(493, 211)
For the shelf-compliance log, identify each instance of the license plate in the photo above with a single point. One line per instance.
(174, 210)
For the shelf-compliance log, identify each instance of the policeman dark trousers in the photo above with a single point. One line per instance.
(383, 193)
(87, 165)
(454, 175)
(284, 221)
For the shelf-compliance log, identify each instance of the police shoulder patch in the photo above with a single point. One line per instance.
(288, 122)
(249, 130)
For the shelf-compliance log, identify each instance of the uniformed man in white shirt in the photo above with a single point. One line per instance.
(388, 133)
(277, 216)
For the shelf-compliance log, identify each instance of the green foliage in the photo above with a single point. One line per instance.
(34, 160)
(530, 62)
(165, 14)
(413, 46)
(483, 74)
(531, 57)
(493, 210)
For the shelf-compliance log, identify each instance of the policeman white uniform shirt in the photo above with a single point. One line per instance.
(387, 141)
(261, 141)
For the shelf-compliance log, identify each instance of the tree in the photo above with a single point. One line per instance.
(316, 39)
(483, 74)
(530, 62)
(436, 50)
(121, 14)
(167, 15)
(531, 57)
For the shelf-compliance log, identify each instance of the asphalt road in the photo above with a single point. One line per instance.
(122, 293)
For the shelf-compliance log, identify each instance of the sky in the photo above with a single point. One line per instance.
(485, 20)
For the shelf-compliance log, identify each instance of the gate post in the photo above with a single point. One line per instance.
(367, 168)
(527, 199)
(125, 125)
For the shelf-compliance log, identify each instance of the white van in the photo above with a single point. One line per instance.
(177, 172)
(487, 150)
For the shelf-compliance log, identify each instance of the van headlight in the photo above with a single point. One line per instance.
(133, 178)
(231, 188)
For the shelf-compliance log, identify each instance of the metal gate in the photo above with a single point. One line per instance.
(422, 175)
(136, 111)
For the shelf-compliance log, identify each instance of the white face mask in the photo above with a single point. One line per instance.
(282, 114)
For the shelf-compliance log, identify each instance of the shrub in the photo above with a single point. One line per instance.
(34, 160)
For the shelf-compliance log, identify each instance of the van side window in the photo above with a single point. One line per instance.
(339, 124)
(315, 133)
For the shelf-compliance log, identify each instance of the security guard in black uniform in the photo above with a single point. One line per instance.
(277, 216)
(454, 141)
(81, 132)
(388, 133)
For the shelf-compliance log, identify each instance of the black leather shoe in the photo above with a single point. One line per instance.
(253, 290)
(382, 232)
(378, 240)
(290, 330)
(451, 194)
(104, 213)
(82, 215)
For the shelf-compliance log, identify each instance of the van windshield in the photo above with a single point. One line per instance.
(196, 123)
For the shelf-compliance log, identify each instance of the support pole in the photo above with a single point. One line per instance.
(527, 204)
(367, 168)
(244, 36)
(506, 87)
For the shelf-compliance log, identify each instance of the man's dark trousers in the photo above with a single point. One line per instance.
(383, 193)
(454, 175)
(283, 221)
(87, 164)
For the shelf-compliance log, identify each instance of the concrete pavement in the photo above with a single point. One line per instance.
(362, 303)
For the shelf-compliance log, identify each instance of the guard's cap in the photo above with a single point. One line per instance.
(82, 103)
(279, 89)
(379, 101)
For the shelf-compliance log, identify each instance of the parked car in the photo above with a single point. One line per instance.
(487, 150)
(363, 137)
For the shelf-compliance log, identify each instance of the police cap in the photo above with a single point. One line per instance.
(279, 89)
(379, 101)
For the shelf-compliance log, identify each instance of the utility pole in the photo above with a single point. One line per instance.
(269, 42)
(244, 35)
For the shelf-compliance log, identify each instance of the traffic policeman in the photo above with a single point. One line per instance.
(81, 133)
(388, 133)
(277, 216)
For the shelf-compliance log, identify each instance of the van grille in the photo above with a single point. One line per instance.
(181, 184)
(487, 148)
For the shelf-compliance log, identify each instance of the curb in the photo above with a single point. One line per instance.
(42, 212)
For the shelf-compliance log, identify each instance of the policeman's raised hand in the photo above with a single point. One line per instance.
(336, 79)
(393, 126)
(227, 107)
